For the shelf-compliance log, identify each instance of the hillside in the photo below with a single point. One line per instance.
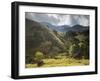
(53, 40)
(39, 37)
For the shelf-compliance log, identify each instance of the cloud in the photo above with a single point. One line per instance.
(59, 19)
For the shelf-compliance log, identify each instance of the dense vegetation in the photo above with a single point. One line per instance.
(47, 48)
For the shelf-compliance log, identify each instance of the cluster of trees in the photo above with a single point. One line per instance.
(78, 45)
(79, 51)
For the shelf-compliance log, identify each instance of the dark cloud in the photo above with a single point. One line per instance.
(59, 19)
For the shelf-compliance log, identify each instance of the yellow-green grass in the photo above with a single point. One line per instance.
(60, 62)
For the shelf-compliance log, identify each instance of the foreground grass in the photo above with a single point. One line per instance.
(60, 62)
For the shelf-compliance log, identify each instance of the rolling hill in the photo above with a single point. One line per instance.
(46, 38)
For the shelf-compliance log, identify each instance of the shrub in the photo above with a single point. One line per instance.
(39, 58)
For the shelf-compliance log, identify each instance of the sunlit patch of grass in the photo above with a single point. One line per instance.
(61, 62)
(30, 65)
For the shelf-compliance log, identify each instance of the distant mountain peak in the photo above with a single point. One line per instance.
(78, 25)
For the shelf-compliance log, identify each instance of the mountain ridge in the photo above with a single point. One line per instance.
(65, 28)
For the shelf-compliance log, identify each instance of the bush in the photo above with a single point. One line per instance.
(39, 58)
(39, 55)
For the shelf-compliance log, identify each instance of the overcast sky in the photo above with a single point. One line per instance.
(59, 19)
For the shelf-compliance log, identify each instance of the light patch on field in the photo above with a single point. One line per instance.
(60, 62)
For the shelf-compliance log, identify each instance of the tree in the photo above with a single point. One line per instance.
(74, 48)
(39, 58)
(45, 47)
(84, 49)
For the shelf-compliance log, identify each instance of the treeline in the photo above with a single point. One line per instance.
(77, 44)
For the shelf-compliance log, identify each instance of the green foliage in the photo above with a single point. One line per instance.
(39, 55)
(39, 58)
(45, 47)
(73, 49)
(81, 37)
(84, 49)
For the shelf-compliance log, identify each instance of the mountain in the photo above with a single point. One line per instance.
(39, 33)
(50, 39)
(40, 38)
(62, 28)
(66, 28)
(80, 28)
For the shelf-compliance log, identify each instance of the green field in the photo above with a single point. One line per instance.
(60, 62)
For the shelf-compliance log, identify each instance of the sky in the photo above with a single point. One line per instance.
(59, 19)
